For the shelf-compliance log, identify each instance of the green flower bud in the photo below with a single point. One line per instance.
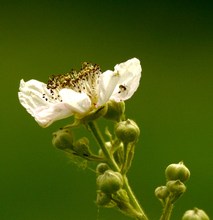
(103, 199)
(176, 189)
(115, 110)
(81, 147)
(176, 186)
(123, 204)
(195, 214)
(110, 182)
(127, 131)
(63, 139)
(101, 168)
(161, 192)
(177, 172)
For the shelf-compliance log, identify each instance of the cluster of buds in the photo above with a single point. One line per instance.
(63, 139)
(111, 191)
(88, 95)
(109, 183)
(176, 176)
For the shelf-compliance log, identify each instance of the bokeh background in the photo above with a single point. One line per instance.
(173, 106)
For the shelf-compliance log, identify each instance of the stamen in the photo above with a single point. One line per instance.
(84, 81)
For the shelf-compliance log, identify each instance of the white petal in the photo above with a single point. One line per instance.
(44, 112)
(30, 95)
(46, 115)
(129, 78)
(107, 84)
(80, 103)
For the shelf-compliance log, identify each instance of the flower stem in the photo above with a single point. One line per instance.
(133, 199)
(100, 139)
(111, 162)
(167, 211)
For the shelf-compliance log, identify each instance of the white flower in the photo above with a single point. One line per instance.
(78, 93)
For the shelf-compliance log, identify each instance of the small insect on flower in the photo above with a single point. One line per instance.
(79, 93)
(122, 88)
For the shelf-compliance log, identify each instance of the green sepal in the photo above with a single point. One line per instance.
(115, 111)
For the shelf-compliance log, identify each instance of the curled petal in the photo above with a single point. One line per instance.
(129, 78)
(30, 95)
(45, 110)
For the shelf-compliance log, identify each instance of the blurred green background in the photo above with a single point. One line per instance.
(173, 106)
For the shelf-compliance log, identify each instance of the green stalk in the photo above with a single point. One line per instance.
(100, 139)
(133, 199)
(167, 211)
(111, 162)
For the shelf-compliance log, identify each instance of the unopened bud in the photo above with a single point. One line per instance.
(127, 131)
(110, 182)
(176, 189)
(195, 214)
(161, 192)
(176, 186)
(81, 147)
(101, 168)
(115, 110)
(177, 172)
(63, 139)
(103, 199)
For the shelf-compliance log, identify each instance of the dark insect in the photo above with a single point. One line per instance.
(122, 88)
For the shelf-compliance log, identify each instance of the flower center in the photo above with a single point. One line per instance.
(84, 81)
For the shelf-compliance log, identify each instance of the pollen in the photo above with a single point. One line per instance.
(84, 81)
